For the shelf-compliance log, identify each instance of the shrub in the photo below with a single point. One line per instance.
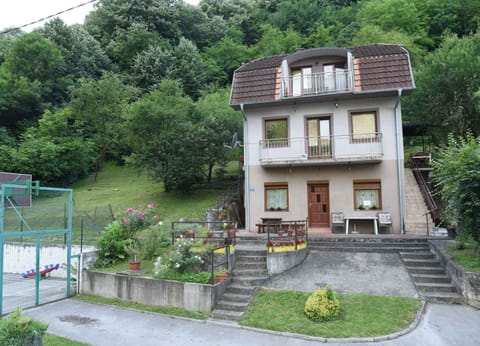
(112, 244)
(322, 305)
(19, 330)
(183, 259)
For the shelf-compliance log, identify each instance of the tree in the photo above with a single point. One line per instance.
(162, 137)
(112, 16)
(224, 58)
(98, 109)
(218, 122)
(275, 41)
(457, 171)
(447, 83)
(188, 68)
(84, 57)
(151, 66)
(48, 69)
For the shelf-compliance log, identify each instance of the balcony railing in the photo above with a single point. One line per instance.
(316, 84)
(321, 150)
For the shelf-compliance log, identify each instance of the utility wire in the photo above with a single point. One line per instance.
(47, 17)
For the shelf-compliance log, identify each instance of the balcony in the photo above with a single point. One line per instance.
(339, 81)
(325, 150)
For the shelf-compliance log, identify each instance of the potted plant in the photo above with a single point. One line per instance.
(134, 250)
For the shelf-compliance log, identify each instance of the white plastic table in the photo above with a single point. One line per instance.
(373, 218)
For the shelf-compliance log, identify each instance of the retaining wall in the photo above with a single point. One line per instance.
(468, 283)
(279, 262)
(144, 290)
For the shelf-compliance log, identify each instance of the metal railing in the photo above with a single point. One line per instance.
(420, 164)
(219, 237)
(288, 235)
(352, 147)
(316, 83)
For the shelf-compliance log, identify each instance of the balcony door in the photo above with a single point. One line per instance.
(318, 205)
(319, 138)
(302, 81)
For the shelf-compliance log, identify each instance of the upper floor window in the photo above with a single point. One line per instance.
(276, 132)
(368, 194)
(364, 126)
(334, 77)
(302, 81)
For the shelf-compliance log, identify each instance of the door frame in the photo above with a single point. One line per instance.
(318, 183)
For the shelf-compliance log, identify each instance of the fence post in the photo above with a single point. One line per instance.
(111, 212)
(81, 235)
(65, 222)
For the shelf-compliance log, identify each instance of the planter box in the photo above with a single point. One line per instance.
(279, 262)
(144, 290)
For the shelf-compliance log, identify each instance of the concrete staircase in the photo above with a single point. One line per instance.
(415, 207)
(368, 244)
(250, 271)
(430, 278)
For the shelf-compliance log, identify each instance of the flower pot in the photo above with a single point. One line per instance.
(290, 233)
(231, 234)
(209, 235)
(134, 265)
(300, 232)
(280, 233)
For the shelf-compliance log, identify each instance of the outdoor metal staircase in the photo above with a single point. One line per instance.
(250, 271)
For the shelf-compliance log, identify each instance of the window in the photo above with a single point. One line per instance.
(302, 81)
(276, 196)
(367, 194)
(276, 133)
(364, 126)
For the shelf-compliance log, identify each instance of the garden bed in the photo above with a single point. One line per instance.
(159, 292)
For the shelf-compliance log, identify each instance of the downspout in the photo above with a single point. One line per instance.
(246, 166)
(398, 128)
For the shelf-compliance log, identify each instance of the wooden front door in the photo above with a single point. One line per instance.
(318, 205)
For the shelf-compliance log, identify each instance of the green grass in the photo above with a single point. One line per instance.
(142, 307)
(117, 188)
(54, 340)
(467, 258)
(361, 315)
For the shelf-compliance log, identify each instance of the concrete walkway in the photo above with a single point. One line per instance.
(442, 325)
(349, 272)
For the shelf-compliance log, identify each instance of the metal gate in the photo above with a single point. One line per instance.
(35, 244)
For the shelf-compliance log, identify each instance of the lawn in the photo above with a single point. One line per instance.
(360, 316)
(466, 257)
(54, 340)
(168, 310)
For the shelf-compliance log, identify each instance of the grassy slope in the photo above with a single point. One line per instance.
(123, 187)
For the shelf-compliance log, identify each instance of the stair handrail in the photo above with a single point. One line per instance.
(417, 168)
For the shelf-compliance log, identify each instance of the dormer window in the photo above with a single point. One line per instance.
(335, 77)
(302, 81)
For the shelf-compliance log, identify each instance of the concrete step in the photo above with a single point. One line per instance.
(250, 280)
(231, 306)
(227, 315)
(353, 248)
(436, 287)
(236, 288)
(421, 263)
(426, 270)
(443, 297)
(250, 273)
(251, 259)
(430, 278)
(250, 265)
(423, 255)
(251, 252)
(236, 297)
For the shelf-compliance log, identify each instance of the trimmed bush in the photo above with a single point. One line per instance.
(322, 305)
(16, 330)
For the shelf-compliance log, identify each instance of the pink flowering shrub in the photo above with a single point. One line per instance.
(134, 220)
